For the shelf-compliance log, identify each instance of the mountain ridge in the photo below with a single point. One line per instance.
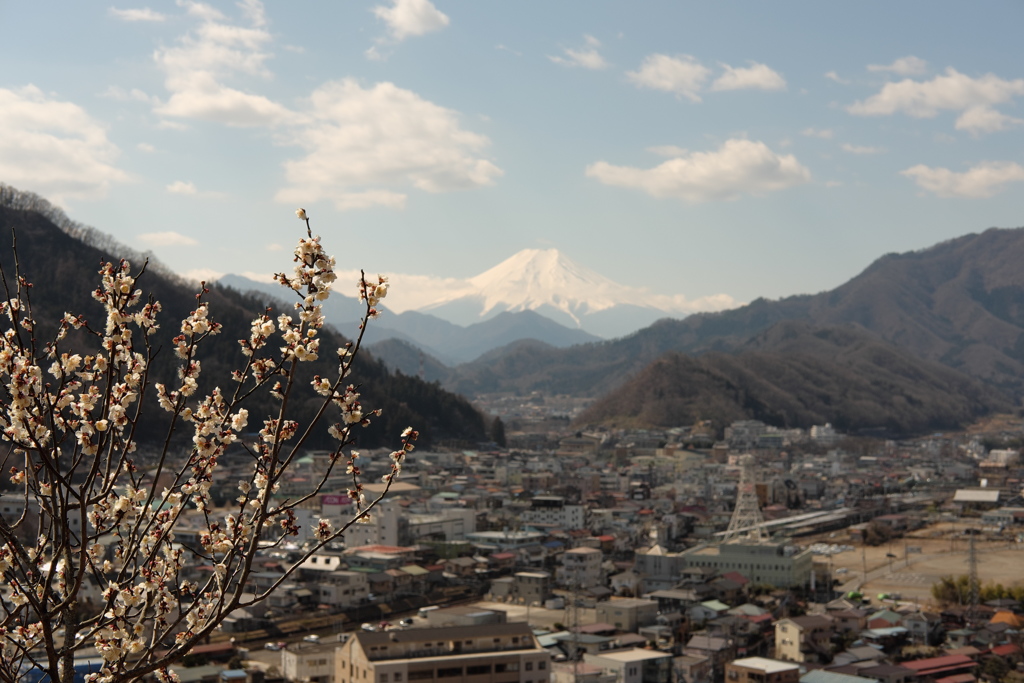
(63, 271)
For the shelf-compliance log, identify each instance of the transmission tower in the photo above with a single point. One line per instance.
(747, 522)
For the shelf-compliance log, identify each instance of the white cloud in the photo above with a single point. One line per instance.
(983, 180)
(861, 149)
(167, 239)
(904, 66)
(134, 95)
(190, 189)
(363, 142)
(196, 68)
(203, 275)
(738, 167)
(54, 148)
(668, 150)
(143, 14)
(833, 76)
(682, 75)
(984, 119)
(754, 77)
(408, 18)
(182, 187)
(953, 91)
(587, 57)
(145, 147)
(705, 304)
(275, 247)
(823, 133)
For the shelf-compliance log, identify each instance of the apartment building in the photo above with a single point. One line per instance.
(554, 511)
(483, 653)
(581, 568)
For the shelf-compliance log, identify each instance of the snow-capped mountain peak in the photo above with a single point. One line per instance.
(534, 278)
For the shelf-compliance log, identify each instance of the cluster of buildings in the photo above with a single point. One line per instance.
(688, 562)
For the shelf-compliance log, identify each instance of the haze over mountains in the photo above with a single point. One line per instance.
(919, 341)
(537, 286)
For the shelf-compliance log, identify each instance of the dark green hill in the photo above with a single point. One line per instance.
(796, 375)
(63, 270)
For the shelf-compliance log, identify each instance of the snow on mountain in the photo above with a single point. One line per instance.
(545, 281)
(536, 277)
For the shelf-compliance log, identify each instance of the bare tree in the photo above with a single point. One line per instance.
(91, 560)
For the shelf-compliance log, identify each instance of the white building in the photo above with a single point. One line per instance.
(309, 662)
(581, 568)
(554, 511)
(382, 529)
(450, 524)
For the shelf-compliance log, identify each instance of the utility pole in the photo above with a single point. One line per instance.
(864, 564)
(972, 578)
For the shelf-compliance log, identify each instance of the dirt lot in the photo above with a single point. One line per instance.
(943, 552)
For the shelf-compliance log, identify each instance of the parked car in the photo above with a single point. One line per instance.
(311, 638)
(274, 646)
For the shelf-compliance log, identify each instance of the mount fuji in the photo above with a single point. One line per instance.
(545, 281)
(535, 294)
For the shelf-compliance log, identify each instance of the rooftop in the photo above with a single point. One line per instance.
(768, 666)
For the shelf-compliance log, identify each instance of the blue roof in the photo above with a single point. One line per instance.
(553, 544)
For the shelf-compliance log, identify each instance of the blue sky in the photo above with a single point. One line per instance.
(715, 152)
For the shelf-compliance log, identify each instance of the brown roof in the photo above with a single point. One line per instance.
(368, 639)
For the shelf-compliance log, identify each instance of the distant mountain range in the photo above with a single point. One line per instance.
(451, 344)
(547, 282)
(922, 340)
(919, 341)
(957, 307)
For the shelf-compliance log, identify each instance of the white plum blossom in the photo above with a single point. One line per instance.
(70, 417)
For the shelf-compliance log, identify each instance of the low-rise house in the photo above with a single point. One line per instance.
(823, 676)
(680, 599)
(761, 670)
(803, 639)
(861, 655)
(692, 668)
(848, 620)
(925, 628)
(888, 640)
(464, 567)
(307, 662)
(635, 665)
(718, 650)
(627, 614)
(888, 673)
(579, 672)
(934, 668)
(341, 588)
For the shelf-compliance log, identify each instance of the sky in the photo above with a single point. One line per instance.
(712, 152)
